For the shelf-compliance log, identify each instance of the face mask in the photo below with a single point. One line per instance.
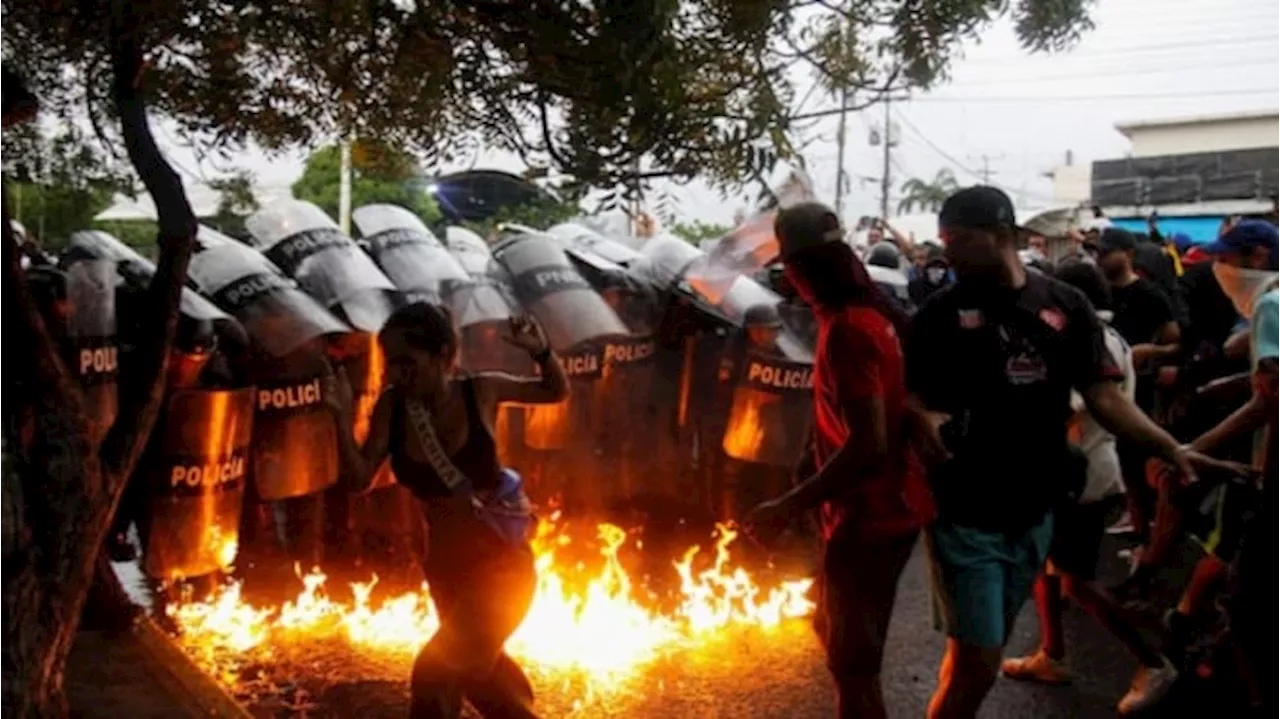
(936, 275)
(1243, 285)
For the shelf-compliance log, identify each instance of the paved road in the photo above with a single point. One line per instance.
(754, 675)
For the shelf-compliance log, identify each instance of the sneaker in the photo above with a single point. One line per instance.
(1124, 525)
(1039, 668)
(1149, 686)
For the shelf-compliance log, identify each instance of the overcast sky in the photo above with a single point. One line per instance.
(1146, 59)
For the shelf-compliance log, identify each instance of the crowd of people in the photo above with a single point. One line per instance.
(1001, 419)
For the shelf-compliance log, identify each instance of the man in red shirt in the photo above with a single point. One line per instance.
(870, 488)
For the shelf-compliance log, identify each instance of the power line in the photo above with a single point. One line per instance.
(1102, 74)
(1180, 48)
(1085, 98)
(961, 166)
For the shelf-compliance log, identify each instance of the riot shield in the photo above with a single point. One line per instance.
(308, 246)
(137, 271)
(93, 355)
(197, 483)
(295, 436)
(470, 250)
(278, 316)
(482, 308)
(418, 263)
(664, 260)
(582, 238)
(546, 283)
(771, 412)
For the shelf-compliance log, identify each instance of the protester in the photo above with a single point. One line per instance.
(936, 274)
(1144, 317)
(1078, 529)
(885, 254)
(991, 361)
(1245, 264)
(436, 428)
(869, 486)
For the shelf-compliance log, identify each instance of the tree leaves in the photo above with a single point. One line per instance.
(685, 87)
(378, 174)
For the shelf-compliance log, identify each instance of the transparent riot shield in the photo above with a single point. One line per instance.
(579, 237)
(137, 271)
(308, 246)
(771, 410)
(278, 316)
(469, 248)
(93, 355)
(664, 260)
(410, 255)
(197, 483)
(570, 312)
(482, 308)
(295, 436)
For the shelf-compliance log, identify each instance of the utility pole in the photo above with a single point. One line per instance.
(344, 188)
(840, 188)
(885, 178)
(986, 173)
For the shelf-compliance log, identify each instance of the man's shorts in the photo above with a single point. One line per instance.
(981, 578)
(1077, 538)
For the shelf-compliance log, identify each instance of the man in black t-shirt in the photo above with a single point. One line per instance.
(1143, 312)
(991, 362)
(1144, 316)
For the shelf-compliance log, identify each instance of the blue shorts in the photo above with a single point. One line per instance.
(981, 578)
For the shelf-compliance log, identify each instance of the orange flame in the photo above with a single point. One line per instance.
(563, 632)
(745, 434)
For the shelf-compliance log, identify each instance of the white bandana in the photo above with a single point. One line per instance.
(1243, 285)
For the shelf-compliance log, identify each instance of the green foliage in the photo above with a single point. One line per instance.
(539, 214)
(378, 174)
(928, 195)
(60, 181)
(611, 94)
(696, 231)
(139, 234)
(235, 203)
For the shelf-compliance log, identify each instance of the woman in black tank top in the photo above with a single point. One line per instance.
(482, 583)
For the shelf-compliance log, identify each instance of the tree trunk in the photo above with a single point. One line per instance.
(60, 490)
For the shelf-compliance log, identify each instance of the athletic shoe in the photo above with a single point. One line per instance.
(1039, 668)
(1124, 525)
(1149, 686)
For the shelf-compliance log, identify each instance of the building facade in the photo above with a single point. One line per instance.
(1192, 172)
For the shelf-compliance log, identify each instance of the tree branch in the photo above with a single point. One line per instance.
(142, 390)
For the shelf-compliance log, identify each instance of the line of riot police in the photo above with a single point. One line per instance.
(686, 402)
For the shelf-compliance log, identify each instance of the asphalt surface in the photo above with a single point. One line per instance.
(746, 673)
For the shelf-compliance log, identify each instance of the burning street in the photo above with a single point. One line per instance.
(596, 640)
(592, 650)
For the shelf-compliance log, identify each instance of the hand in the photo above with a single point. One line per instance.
(338, 395)
(927, 437)
(526, 335)
(767, 520)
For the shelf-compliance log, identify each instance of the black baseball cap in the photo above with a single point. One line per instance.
(804, 225)
(1114, 239)
(980, 207)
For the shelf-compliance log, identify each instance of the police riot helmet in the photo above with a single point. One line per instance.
(195, 336)
(885, 254)
(764, 316)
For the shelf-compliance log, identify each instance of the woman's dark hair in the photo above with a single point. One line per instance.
(425, 326)
(1087, 278)
(837, 278)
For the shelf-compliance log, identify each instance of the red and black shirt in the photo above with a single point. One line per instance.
(1002, 363)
